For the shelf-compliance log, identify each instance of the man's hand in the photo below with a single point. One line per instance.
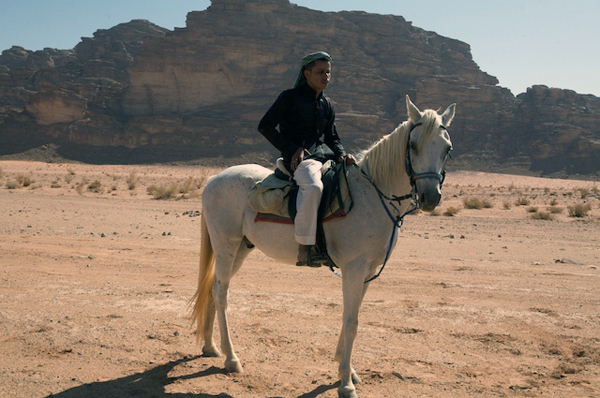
(298, 158)
(350, 160)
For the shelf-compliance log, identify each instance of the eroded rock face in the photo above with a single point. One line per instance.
(201, 90)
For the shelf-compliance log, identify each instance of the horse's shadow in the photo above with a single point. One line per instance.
(151, 384)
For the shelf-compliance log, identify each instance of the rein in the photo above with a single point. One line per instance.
(398, 221)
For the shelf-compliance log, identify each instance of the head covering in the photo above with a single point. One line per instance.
(307, 60)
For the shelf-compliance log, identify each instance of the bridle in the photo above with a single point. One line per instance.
(428, 174)
(399, 219)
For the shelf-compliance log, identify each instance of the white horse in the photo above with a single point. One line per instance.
(404, 165)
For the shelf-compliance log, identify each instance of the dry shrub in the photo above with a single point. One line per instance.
(132, 180)
(522, 201)
(24, 181)
(12, 185)
(80, 188)
(555, 209)
(473, 203)
(55, 184)
(189, 186)
(532, 209)
(506, 205)
(584, 192)
(451, 211)
(541, 215)
(163, 192)
(553, 202)
(579, 210)
(95, 187)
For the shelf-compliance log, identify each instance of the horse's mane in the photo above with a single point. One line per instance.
(384, 160)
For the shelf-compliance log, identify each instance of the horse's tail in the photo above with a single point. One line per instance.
(203, 297)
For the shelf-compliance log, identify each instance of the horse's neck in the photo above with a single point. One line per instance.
(388, 172)
(398, 186)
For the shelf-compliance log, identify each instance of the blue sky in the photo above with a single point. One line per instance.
(521, 42)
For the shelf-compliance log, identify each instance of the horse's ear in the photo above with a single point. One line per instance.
(413, 112)
(448, 115)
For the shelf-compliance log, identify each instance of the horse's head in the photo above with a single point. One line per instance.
(427, 150)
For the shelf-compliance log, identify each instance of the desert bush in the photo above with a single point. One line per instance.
(506, 205)
(24, 181)
(522, 201)
(55, 184)
(553, 202)
(162, 192)
(189, 185)
(532, 209)
(579, 210)
(81, 187)
(95, 187)
(12, 184)
(487, 204)
(555, 209)
(541, 215)
(584, 192)
(132, 180)
(473, 203)
(451, 211)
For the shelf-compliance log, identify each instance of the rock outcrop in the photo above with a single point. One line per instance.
(201, 90)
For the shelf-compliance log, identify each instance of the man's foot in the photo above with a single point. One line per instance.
(308, 257)
(303, 251)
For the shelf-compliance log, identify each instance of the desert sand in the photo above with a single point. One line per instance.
(96, 275)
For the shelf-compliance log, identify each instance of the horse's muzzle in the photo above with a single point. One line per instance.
(430, 198)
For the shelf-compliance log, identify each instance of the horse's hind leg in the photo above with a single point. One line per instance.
(227, 266)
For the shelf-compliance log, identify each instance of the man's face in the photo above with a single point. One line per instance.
(319, 76)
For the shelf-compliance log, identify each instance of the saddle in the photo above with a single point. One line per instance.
(274, 199)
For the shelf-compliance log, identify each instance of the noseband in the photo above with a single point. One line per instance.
(418, 176)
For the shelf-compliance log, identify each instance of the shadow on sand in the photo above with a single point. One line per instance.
(152, 382)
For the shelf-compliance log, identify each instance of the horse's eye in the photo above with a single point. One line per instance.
(413, 146)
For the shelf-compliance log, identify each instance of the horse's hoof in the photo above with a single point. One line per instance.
(234, 366)
(355, 378)
(345, 392)
(211, 351)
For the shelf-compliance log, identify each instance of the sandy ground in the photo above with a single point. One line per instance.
(95, 280)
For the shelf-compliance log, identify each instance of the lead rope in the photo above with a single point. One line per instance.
(398, 221)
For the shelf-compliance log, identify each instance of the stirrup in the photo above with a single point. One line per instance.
(313, 259)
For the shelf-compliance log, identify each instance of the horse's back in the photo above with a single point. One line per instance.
(228, 190)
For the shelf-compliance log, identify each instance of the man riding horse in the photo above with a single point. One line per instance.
(307, 137)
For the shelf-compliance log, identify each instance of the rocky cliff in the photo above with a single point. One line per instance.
(149, 94)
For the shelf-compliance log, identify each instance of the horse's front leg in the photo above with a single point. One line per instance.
(354, 289)
(340, 346)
